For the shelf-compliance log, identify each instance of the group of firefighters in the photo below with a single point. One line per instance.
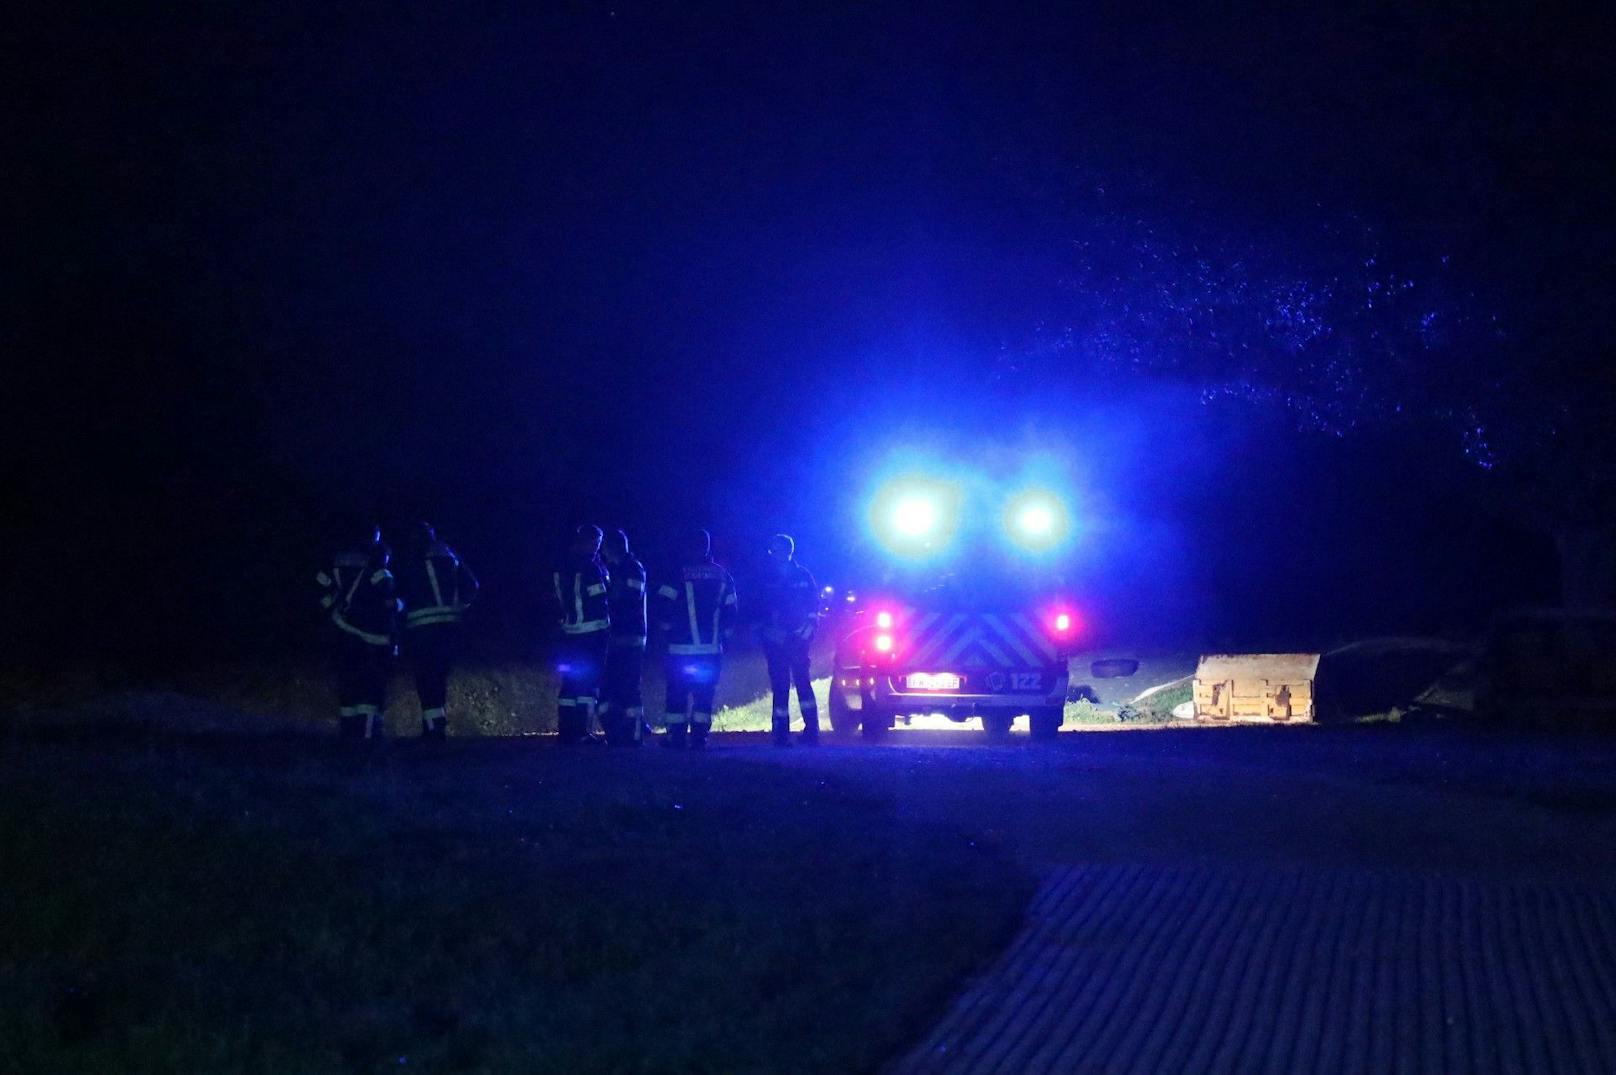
(604, 606)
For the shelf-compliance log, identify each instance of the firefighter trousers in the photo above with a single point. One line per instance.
(362, 670)
(622, 706)
(788, 667)
(692, 683)
(582, 664)
(431, 649)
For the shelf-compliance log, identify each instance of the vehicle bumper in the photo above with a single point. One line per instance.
(883, 691)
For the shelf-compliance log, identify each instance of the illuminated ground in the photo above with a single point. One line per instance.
(1153, 671)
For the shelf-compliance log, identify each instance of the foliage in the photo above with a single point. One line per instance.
(1158, 708)
(1084, 711)
(1330, 327)
(1439, 299)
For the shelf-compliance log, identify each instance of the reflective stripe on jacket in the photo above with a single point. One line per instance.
(437, 587)
(348, 570)
(580, 596)
(363, 600)
(790, 601)
(696, 608)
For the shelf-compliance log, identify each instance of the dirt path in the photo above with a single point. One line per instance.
(1355, 900)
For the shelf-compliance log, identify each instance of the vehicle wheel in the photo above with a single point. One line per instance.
(1046, 722)
(876, 724)
(997, 725)
(843, 721)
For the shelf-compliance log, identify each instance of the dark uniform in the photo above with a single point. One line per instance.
(622, 708)
(580, 595)
(360, 594)
(437, 588)
(790, 612)
(696, 610)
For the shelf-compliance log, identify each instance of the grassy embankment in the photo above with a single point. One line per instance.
(182, 903)
(504, 699)
(1375, 679)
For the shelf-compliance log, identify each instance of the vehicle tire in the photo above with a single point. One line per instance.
(843, 721)
(997, 725)
(876, 724)
(1046, 722)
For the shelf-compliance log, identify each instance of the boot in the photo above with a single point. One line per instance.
(435, 728)
(810, 728)
(568, 730)
(351, 726)
(588, 734)
(675, 739)
(623, 731)
(698, 736)
(781, 726)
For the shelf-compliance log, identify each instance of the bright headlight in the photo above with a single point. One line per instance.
(1036, 520)
(915, 516)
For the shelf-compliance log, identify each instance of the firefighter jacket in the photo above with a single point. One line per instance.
(362, 598)
(696, 608)
(436, 585)
(625, 600)
(580, 596)
(790, 604)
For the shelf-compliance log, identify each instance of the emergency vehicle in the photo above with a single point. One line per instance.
(964, 615)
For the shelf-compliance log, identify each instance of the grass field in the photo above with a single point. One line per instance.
(279, 904)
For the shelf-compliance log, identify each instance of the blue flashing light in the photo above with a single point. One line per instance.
(915, 516)
(1037, 520)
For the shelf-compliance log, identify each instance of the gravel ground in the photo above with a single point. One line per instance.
(1364, 899)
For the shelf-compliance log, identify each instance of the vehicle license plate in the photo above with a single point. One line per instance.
(932, 681)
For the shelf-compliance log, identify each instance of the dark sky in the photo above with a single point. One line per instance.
(286, 267)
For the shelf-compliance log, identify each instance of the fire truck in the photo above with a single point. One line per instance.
(964, 616)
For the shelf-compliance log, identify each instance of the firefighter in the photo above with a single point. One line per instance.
(437, 588)
(361, 597)
(580, 596)
(789, 615)
(696, 612)
(622, 709)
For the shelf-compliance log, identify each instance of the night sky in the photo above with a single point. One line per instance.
(279, 272)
